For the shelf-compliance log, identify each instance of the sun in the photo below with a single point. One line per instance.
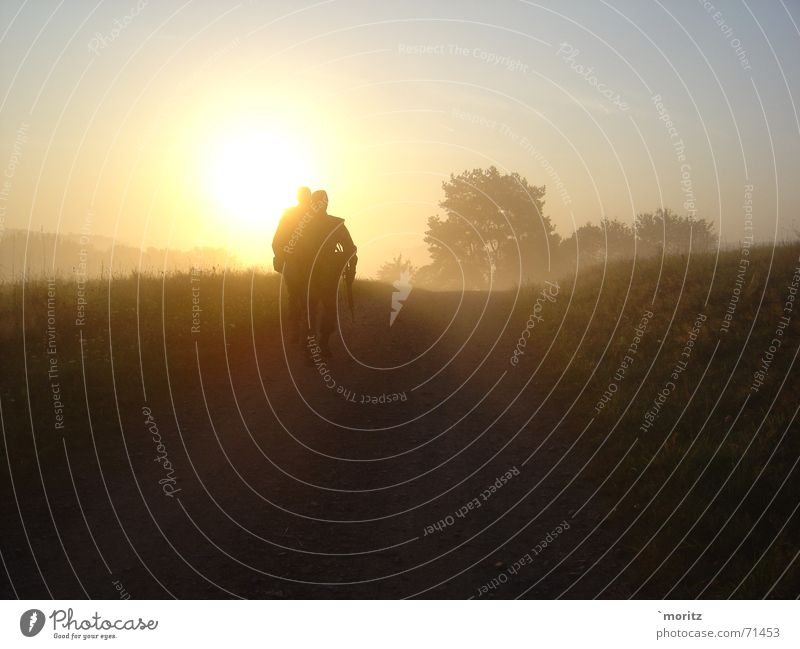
(254, 175)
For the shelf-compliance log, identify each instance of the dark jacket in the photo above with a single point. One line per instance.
(288, 234)
(324, 251)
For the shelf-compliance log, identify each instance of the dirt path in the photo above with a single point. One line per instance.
(421, 475)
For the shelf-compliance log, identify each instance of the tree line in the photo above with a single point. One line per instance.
(494, 233)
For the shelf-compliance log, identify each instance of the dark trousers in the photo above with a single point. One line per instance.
(322, 301)
(296, 286)
(313, 297)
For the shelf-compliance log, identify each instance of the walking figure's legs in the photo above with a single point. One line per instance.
(328, 319)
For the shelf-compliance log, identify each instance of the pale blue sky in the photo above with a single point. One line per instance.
(119, 118)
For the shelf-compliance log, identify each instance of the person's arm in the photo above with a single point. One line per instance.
(278, 243)
(349, 249)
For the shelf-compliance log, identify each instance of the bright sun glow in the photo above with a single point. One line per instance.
(255, 175)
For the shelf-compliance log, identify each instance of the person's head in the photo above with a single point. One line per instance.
(319, 201)
(303, 196)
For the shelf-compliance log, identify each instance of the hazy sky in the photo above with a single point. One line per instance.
(150, 120)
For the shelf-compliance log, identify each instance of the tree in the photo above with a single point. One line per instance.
(665, 230)
(609, 241)
(493, 232)
(391, 271)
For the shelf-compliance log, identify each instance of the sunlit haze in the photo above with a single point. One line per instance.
(180, 125)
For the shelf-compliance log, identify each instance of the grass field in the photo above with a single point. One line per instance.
(190, 453)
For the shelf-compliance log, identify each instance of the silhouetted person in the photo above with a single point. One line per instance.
(325, 254)
(287, 232)
(284, 244)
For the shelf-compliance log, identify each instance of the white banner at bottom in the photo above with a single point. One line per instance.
(389, 624)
